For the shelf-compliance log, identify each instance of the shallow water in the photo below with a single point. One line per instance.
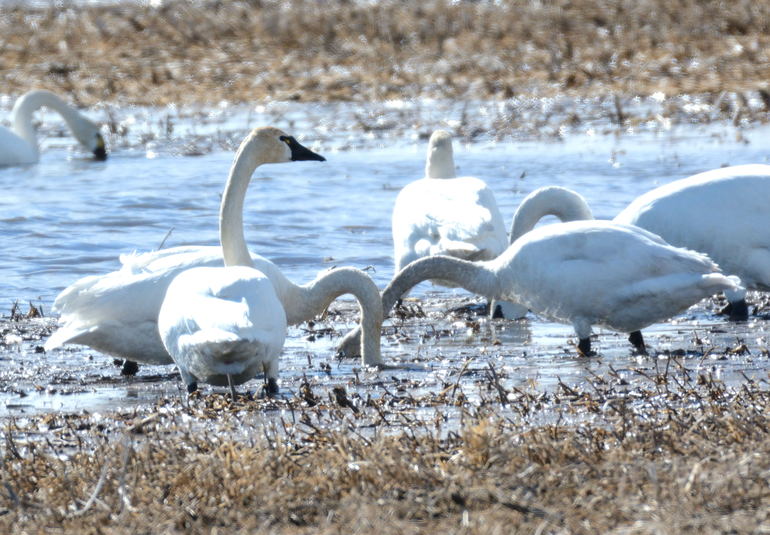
(68, 216)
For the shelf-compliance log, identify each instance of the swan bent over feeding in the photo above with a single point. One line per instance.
(117, 313)
(722, 213)
(222, 326)
(447, 215)
(19, 146)
(584, 273)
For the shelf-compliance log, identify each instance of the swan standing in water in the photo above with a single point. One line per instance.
(722, 213)
(117, 313)
(442, 214)
(584, 273)
(19, 145)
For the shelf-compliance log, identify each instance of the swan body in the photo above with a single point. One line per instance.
(721, 213)
(442, 214)
(223, 325)
(19, 146)
(584, 273)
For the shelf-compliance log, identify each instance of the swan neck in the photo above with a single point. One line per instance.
(476, 277)
(440, 163)
(29, 103)
(563, 203)
(234, 247)
(318, 294)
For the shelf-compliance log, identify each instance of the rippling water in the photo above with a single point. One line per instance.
(68, 217)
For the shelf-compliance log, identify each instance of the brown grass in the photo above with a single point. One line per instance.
(204, 52)
(678, 454)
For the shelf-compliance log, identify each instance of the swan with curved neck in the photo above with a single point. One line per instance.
(449, 215)
(117, 313)
(19, 146)
(584, 273)
(721, 213)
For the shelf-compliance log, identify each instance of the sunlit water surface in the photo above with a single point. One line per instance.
(68, 216)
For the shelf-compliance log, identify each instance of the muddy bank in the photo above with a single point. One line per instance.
(209, 52)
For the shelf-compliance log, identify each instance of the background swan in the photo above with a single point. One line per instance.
(117, 313)
(444, 214)
(19, 145)
(584, 273)
(722, 213)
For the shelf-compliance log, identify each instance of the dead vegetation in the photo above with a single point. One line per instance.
(677, 453)
(205, 52)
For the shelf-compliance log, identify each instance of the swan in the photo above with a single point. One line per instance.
(721, 213)
(222, 326)
(581, 272)
(448, 215)
(18, 146)
(116, 313)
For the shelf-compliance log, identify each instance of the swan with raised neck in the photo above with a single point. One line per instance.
(19, 145)
(563, 203)
(440, 160)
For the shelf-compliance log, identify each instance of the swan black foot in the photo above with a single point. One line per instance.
(129, 368)
(584, 347)
(638, 342)
(738, 311)
(271, 387)
(192, 387)
(497, 313)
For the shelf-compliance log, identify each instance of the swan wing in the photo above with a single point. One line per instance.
(607, 273)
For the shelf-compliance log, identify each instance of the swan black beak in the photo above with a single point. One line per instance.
(100, 153)
(300, 152)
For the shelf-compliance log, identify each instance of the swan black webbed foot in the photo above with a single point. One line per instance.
(192, 387)
(270, 388)
(584, 347)
(129, 368)
(497, 312)
(638, 342)
(738, 311)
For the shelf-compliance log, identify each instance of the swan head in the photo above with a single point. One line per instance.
(440, 162)
(89, 135)
(276, 146)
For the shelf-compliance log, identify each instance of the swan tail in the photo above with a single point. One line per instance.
(65, 335)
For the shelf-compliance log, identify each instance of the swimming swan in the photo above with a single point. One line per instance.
(584, 273)
(117, 313)
(722, 213)
(19, 145)
(447, 215)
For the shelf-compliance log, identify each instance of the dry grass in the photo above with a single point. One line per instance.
(680, 453)
(203, 52)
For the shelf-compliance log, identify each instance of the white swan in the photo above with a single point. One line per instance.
(584, 273)
(19, 145)
(222, 326)
(722, 213)
(117, 313)
(444, 214)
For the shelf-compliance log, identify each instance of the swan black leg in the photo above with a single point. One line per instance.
(230, 384)
(638, 342)
(497, 312)
(129, 368)
(192, 387)
(271, 387)
(584, 346)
